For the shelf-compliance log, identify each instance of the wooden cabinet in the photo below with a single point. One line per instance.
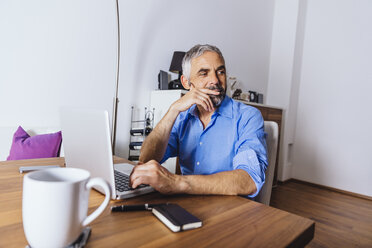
(270, 113)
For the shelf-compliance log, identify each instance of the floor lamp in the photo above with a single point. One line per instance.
(116, 99)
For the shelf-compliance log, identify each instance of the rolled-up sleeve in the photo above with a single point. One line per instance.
(172, 147)
(250, 150)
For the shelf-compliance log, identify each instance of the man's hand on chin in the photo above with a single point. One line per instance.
(195, 96)
(155, 175)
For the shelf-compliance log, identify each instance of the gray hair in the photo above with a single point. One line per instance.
(195, 52)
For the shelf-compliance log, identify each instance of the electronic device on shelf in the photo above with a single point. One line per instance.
(162, 80)
(138, 132)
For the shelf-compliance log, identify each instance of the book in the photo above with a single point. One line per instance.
(176, 218)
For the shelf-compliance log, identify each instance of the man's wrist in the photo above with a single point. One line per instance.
(173, 110)
(182, 186)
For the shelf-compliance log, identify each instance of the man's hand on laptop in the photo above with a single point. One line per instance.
(155, 175)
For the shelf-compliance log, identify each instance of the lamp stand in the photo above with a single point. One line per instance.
(116, 99)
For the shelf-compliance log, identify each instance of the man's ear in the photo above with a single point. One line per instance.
(185, 82)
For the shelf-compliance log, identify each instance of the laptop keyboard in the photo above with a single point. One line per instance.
(122, 182)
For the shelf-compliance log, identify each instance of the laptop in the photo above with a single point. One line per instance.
(87, 145)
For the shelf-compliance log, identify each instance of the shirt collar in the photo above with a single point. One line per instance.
(225, 109)
(193, 111)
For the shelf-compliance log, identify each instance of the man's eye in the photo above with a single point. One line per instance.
(221, 72)
(203, 74)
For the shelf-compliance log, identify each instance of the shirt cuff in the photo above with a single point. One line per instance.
(247, 160)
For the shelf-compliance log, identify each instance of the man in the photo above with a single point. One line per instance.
(220, 142)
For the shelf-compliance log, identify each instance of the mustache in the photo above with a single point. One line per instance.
(217, 99)
(216, 87)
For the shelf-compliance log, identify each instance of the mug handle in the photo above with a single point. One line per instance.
(98, 182)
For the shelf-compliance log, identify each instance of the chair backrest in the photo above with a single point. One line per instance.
(272, 131)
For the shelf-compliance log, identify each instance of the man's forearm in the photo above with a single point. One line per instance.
(236, 182)
(156, 143)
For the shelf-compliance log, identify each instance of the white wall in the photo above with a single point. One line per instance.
(53, 53)
(281, 78)
(57, 53)
(334, 118)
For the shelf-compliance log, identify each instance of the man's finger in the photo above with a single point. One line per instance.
(137, 178)
(209, 102)
(136, 182)
(202, 102)
(141, 167)
(205, 98)
(142, 179)
(208, 91)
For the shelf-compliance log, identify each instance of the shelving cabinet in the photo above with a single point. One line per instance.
(139, 129)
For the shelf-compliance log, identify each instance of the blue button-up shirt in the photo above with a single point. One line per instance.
(233, 139)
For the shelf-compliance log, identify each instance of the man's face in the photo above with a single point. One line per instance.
(208, 71)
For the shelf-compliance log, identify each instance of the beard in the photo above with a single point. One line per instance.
(217, 99)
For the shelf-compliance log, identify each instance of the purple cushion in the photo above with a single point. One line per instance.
(38, 146)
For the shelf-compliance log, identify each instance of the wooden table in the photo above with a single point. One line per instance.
(228, 221)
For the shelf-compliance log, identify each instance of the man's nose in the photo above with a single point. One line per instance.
(214, 78)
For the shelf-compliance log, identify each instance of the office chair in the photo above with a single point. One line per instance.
(272, 131)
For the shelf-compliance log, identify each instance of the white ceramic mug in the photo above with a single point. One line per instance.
(55, 205)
